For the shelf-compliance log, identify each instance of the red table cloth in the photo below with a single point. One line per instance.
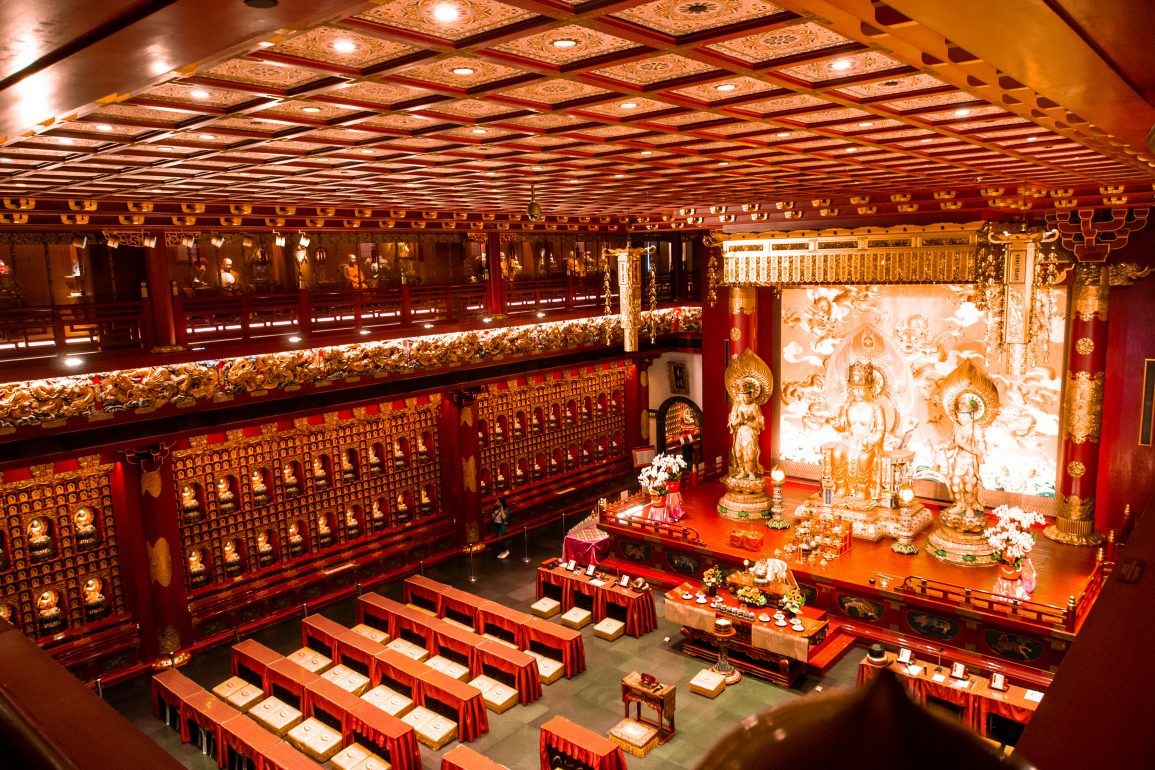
(565, 642)
(357, 651)
(424, 592)
(638, 606)
(462, 604)
(252, 659)
(323, 698)
(394, 617)
(173, 688)
(522, 667)
(321, 634)
(465, 758)
(282, 756)
(384, 735)
(209, 712)
(246, 738)
(584, 551)
(395, 667)
(456, 640)
(575, 741)
(494, 615)
(472, 717)
(989, 705)
(287, 675)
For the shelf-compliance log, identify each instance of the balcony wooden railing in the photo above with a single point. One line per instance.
(50, 330)
(523, 296)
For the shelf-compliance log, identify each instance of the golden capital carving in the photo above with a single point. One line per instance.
(743, 299)
(160, 562)
(1084, 346)
(467, 416)
(735, 334)
(1079, 508)
(1076, 469)
(1083, 404)
(150, 483)
(1091, 301)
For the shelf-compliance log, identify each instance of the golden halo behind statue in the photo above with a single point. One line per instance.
(969, 385)
(747, 371)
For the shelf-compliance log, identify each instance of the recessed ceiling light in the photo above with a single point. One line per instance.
(207, 137)
(865, 124)
(344, 45)
(783, 133)
(72, 361)
(962, 112)
(852, 149)
(841, 65)
(104, 127)
(647, 152)
(199, 93)
(928, 139)
(725, 87)
(564, 42)
(628, 105)
(723, 163)
(366, 152)
(66, 140)
(463, 70)
(619, 176)
(1032, 138)
(480, 131)
(536, 168)
(310, 109)
(446, 12)
(266, 44)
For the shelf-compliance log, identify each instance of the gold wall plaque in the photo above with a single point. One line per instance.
(160, 562)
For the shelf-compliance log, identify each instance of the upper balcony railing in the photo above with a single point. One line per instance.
(49, 330)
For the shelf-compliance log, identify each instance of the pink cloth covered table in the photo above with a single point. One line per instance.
(585, 551)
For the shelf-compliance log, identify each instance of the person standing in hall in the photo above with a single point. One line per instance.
(501, 524)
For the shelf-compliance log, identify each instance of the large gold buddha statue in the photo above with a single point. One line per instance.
(854, 466)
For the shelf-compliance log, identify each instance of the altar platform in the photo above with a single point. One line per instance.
(872, 593)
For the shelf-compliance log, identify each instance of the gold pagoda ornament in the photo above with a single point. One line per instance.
(749, 383)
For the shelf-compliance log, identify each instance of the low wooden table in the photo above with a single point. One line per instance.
(660, 697)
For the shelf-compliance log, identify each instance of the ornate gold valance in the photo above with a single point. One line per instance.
(942, 253)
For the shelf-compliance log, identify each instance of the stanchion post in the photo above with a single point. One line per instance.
(472, 575)
(305, 610)
(525, 544)
(99, 688)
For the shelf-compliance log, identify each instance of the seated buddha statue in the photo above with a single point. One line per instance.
(233, 564)
(3, 556)
(535, 424)
(190, 505)
(260, 490)
(296, 541)
(225, 496)
(320, 475)
(599, 451)
(289, 477)
(324, 533)
(518, 476)
(537, 471)
(94, 601)
(85, 529)
(352, 526)
(6, 613)
(374, 460)
(40, 545)
(587, 414)
(422, 450)
(265, 553)
(426, 504)
(500, 482)
(198, 575)
(398, 455)
(853, 460)
(48, 612)
(483, 485)
(400, 508)
(553, 464)
(518, 427)
(585, 456)
(348, 470)
(377, 515)
(498, 432)
(552, 419)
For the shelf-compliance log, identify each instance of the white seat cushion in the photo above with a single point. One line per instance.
(448, 667)
(548, 669)
(708, 683)
(391, 702)
(432, 729)
(545, 607)
(371, 633)
(349, 757)
(315, 739)
(275, 715)
(347, 679)
(409, 649)
(310, 660)
(498, 697)
(374, 763)
(609, 629)
(576, 618)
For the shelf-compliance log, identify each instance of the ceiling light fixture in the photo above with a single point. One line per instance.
(564, 42)
(1032, 138)
(310, 109)
(199, 93)
(294, 339)
(480, 131)
(628, 105)
(852, 149)
(72, 361)
(446, 12)
(782, 134)
(366, 152)
(344, 45)
(841, 65)
(723, 163)
(962, 112)
(647, 152)
(207, 137)
(533, 209)
(104, 127)
(66, 140)
(463, 71)
(725, 87)
(865, 124)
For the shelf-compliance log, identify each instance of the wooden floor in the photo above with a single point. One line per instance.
(1063, 570)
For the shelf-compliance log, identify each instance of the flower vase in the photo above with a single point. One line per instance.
(674, 486)
(711, 589)
(657, 501)
(1010, 571)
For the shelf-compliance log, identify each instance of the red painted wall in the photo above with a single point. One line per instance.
(1127, 470)
(715, 336)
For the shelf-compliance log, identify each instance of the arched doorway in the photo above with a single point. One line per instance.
(679, 426)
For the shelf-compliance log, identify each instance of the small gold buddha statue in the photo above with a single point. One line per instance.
(374, 460)
(599, 451)
(225, 496)
(377, 515)
(260, 489)
(518, 476)
(289, 477)
(537, 471)
(518, 427)
(6, 612)
(398, 455)
(48, 612)
(535, 423)
(599, 408)
(426, 504)
(587, 413)
(348, 469)
(84, 523)
(498, 433)
(320, 475)
(553, 467)
(401, 508)
(352, 526)
(499, 482)
(197, 574)
(265, 553)
(40, 545)
(422, 450)
(483, 485)
(552, 419)
(233, 564)
(94, 601)
(296, 541)
(324, 532)
(585, 456)
(190, 504)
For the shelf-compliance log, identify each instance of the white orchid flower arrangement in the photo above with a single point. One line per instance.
(656, 477)
(1011, 536)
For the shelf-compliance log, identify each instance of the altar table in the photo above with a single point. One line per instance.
(585, 549)
(465, 758)
(566, 643)
(661, 697)
(977, 700)
(640, 614)
(565, 737)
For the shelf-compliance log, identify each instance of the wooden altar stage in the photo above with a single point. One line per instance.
(926, 603)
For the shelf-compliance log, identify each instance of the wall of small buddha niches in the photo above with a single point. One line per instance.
(59, 567)
(533, 428)
(273, 494)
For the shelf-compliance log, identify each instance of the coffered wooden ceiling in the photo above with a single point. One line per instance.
(829, 107)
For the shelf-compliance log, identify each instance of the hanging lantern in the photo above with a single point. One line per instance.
(321, 255)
